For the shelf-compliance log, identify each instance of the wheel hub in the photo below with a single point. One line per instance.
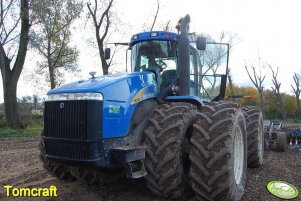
(260, 141)
(238, 154)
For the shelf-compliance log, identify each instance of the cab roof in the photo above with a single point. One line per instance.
(154, 35)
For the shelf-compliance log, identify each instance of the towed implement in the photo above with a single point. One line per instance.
(165, 120)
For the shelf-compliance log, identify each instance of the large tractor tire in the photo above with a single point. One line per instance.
(218, 152)
(59, 171)
(255, 136)
(167, 148)
(281, 141)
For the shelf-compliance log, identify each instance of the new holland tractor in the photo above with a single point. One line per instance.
(165, 120)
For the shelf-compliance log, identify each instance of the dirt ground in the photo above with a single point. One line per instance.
(20, 167)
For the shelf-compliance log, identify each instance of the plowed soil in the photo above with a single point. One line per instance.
(20, 167)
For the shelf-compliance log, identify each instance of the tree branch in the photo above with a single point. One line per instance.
(60, 51)
(155, 18)
(93, 14)
(105, 13)
(107, 28)
(10, 31)
(255, 83)
(24, 38)
(4, 11)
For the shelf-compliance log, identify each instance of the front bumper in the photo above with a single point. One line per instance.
(110, 153)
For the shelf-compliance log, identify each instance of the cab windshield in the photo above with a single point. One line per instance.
(154, 54)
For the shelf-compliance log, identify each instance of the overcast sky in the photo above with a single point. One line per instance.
(269, 28)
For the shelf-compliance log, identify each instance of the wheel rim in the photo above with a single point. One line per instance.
(260, 141)
(238, 154)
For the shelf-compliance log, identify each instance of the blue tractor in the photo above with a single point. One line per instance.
(165, 120)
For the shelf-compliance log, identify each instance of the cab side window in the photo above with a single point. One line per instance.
(193, 72)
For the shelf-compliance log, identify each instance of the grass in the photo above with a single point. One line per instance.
(32, 130)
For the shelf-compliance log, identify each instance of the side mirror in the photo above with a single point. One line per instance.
(107, 53)
(201, 43)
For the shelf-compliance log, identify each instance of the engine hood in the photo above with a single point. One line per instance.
(121, 95)
(99, 84)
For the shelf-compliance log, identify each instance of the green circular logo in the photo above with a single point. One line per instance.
(282, 189)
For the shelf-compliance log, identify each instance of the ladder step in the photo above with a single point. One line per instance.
(139, 174)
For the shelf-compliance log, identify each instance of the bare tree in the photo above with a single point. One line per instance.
(167, 26)
(156, 15)
(257, 80)
(231, 85)
(213, 60)
(13, 46)
(52, 37)
(296, 90)
(101, 21)
(277, 92)
(156, 22)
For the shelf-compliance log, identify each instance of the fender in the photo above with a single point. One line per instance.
(188, 99)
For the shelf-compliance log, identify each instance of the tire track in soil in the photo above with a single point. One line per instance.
(284, 166)
(20, 166)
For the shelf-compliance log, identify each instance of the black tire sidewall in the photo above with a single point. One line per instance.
(281, 144)
(179, 180)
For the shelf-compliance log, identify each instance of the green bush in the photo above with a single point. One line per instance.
(291, 120)
(3, 122)
(34, 129)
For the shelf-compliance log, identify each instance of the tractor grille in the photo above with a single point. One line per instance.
(73, 151)
(72, 128)
(81, 120)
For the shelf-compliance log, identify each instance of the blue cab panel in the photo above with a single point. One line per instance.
(121, 93)
(154, 35)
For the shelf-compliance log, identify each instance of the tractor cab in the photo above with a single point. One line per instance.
(158, 52)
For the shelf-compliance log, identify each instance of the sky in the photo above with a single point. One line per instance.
(266, 28)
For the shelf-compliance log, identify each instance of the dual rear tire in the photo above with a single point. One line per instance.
(254, 122)
(219, 152)
(281, 141)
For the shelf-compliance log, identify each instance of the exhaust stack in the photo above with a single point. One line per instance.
(183, 55)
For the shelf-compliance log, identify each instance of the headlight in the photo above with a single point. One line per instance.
(75, 96)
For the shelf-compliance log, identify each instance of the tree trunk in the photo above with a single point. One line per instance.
(51, 77)
(231, 86)
(11, 106)
(105, 66)
(10, 76)
(10, 91)
(261, 103)
(298, 107)
(283, 113)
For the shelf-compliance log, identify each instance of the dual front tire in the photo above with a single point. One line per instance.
(166, 147)
(204, 149)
